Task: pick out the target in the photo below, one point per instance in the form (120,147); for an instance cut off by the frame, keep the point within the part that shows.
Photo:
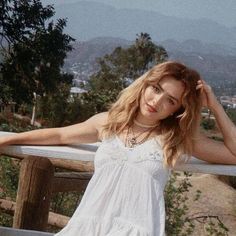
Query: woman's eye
(156,89)
(171,102)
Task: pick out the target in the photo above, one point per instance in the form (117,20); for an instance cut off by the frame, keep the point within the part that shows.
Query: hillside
(216,63)
(87,20)
(217,199)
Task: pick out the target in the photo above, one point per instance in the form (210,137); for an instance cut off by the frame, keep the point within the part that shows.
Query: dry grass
(217,199)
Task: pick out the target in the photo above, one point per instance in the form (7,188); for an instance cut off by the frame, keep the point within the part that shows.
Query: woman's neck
(144,125)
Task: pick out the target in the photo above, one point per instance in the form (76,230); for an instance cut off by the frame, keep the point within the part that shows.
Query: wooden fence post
(33,195)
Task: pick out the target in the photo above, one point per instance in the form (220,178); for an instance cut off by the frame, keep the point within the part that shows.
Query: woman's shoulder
(98,119)
(102,117)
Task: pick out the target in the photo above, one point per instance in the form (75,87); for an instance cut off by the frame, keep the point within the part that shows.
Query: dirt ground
(217,199)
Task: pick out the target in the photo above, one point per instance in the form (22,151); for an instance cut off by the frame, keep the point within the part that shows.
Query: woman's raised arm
(84,132)
(211,150)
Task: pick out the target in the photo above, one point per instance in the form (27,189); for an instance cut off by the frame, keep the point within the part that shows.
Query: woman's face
(160,100)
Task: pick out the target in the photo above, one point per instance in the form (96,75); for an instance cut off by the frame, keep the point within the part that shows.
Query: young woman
(154,124)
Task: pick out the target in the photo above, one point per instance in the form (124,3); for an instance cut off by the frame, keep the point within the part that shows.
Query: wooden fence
(38,181)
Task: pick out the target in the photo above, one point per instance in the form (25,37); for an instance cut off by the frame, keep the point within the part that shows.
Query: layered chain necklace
(132,140)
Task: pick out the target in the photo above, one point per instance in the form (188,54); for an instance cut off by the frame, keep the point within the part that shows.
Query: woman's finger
(204,85)
(199,86)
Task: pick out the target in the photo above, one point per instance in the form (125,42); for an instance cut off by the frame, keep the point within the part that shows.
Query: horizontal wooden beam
(54,219)
(86,166)
(57,220)
(78,158)
(74,153)
(74,175)
(70,181)
(197,166)
(7,206)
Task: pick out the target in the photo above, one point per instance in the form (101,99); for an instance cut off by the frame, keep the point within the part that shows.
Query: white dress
(125,196)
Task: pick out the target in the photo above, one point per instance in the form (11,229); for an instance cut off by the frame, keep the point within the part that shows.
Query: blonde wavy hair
(177,131)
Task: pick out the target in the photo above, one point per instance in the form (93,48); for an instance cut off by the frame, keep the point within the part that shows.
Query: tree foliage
(33,49)
(208,124)
(117,70)
(120,68)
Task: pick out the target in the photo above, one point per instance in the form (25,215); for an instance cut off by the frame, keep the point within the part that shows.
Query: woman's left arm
(226,126)
(210,150)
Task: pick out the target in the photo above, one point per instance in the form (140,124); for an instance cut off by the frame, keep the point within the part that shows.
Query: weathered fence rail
(37,180)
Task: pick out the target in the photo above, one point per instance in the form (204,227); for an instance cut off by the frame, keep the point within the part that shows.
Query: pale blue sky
(221,11)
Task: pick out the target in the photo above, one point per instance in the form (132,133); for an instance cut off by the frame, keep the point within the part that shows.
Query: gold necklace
(132,141)
(143,125)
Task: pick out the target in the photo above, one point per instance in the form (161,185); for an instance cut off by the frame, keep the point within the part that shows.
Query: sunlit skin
(160,100)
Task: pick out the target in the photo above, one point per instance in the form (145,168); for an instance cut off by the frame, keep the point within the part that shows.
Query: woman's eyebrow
(176,99)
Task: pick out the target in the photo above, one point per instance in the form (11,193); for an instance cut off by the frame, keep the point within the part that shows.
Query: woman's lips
(151,108)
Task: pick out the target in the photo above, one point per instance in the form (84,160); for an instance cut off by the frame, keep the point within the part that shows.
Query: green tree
(120,68)
(33,49)
(208,124)
(132,62)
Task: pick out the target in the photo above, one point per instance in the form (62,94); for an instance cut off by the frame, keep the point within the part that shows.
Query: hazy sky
(221,11)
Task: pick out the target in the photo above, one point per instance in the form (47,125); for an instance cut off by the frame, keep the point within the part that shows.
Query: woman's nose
(158,99)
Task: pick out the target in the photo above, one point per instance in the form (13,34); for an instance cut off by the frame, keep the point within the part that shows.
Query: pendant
(133,141)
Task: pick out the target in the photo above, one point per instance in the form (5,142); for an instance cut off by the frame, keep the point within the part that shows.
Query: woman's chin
(148,117)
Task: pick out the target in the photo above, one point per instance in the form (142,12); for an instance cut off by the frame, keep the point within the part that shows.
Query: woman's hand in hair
(208,97)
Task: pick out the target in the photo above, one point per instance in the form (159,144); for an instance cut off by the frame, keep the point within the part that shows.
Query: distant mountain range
(202,44)
(214,62)
(87,20)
